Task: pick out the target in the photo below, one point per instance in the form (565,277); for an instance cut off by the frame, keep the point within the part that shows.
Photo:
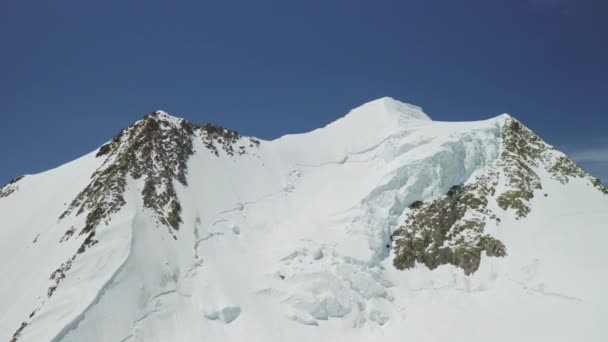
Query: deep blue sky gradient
(73,73)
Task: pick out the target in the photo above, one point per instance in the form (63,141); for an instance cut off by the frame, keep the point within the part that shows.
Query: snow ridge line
(346,158)
(76,321)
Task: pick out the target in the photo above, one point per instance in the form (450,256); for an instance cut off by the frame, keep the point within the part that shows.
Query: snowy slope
(177,232)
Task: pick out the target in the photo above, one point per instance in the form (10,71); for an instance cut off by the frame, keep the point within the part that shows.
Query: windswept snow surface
(292,243)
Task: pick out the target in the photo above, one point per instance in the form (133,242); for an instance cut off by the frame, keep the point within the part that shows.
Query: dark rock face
(226,138)
(438,233)
(450,229)
(156,149)
(17,333)
(416,205)
(522,151)
(152,148)
(11,187)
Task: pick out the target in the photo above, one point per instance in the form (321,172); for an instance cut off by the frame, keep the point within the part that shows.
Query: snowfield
(291,241)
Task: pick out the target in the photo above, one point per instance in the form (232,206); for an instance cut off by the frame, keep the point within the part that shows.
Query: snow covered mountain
(382,226)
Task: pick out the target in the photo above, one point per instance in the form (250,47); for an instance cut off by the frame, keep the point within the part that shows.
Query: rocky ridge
(156,149)
(10,188)
(450,229)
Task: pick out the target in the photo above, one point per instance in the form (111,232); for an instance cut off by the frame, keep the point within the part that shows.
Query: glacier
(292,239)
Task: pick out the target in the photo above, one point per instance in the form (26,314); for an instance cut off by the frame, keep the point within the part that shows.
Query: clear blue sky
(73,73)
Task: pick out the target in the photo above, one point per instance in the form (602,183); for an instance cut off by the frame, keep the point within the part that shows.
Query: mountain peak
(393,107)
(371,122)
(161,116)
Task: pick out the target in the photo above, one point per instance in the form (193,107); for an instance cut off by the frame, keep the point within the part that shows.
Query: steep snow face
(362,128)
(199,233)
(384,114)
